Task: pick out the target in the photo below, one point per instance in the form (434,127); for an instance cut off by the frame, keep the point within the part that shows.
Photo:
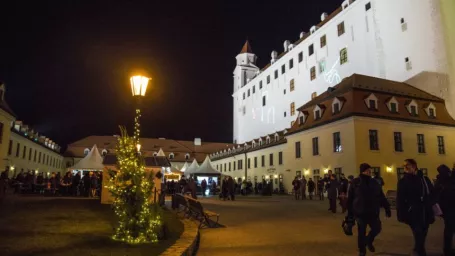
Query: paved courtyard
(282,226)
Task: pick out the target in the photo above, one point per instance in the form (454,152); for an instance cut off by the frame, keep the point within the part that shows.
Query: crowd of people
(88,185)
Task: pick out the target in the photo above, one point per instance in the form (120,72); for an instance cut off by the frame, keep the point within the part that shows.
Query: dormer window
(171,156)
(301,120)
(392,105)
(104,152)
(267,141)
(86,151)
(412,108)
(260,142)
(372,102)
(336,108)
(155,154)
(276,137)
(337,103)
(431,112)
(430,109)
(187,156)
(317,114)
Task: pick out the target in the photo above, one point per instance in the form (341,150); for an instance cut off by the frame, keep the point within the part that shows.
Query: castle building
(401,40)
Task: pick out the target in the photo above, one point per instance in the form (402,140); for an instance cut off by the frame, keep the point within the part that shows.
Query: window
(280,158)
(400,173)
(408,63)
(341,28)
(225,169)
(376,171)
(284,113)
(283,69)
(300,57)
(24,153)
(336,142)
(336,108)
(441,147)
(284,91)
(431,112)
(271,159)
(254,89)
(18,148)
(29,154)
(229,166)
(249,163)
(291,85)
(374,144)
(10,147)
(255,162)
(240,164)
(368,6)
(315,146)
(276,74)
(34,157)
(402,21)
(398,142)
(420,143)
(39,158)
(310,50)
(187,156)
(298,153)
(301,120)
(404,25)
(1,131)
(263,160)
(248,92)
(292,109)
(244,110)
(343,56)
(413,110)
(317,115)
(313,73)
(393,107)
(260,85)
(263,100)
(235,164)
(323,41)
(291,63)
(321,65)
(244,96)
(372,104)
(268,79)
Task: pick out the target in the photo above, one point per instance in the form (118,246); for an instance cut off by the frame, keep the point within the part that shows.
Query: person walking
(203,186)
(365,199)
(332,193)
(303,184)
(296,187)
(75,184)
(311,187)
(321,189)
(414,204)
(343,191)
(444,190)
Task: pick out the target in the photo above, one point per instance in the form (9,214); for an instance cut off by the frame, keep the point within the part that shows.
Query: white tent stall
(93,161)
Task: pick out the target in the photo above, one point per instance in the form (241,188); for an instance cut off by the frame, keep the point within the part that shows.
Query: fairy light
(132,188)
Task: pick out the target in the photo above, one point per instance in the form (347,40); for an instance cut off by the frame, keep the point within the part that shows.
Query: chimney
(302,34)
(324,16)
(274,56)
(197,142)
(314,95)
(286,45)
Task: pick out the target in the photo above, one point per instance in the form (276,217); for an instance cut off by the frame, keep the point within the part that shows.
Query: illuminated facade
(400,40)
(362,119)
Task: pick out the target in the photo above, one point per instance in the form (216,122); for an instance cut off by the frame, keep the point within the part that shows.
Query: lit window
(337,142)
(343,56)
(341,29)
(292,109)
(321,66)
(323,41)
(291,85)
(313,73)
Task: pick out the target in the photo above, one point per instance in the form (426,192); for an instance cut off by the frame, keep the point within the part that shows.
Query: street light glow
(139,85)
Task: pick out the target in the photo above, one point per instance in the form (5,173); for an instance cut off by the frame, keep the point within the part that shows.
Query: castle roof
(246,48)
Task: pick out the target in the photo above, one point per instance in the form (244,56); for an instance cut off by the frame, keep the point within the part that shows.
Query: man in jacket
(414,204)
(303,184)
(365,199)
(311,187)
(296,186)
(332,193)
(343,191)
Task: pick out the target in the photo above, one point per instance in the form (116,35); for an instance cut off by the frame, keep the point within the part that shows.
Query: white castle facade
(403,40)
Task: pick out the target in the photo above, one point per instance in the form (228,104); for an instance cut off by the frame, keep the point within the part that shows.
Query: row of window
(239,163)
(38,157)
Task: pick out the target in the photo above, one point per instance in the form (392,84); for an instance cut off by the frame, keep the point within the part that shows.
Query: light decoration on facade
(332,76)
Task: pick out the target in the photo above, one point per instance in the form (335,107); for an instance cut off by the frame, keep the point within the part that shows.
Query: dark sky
(66,64)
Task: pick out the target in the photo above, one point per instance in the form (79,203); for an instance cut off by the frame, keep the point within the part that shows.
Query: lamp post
(138,87)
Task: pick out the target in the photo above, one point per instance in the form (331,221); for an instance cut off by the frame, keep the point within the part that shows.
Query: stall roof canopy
(192,168)
(150,161)
(206,168)
(92,161)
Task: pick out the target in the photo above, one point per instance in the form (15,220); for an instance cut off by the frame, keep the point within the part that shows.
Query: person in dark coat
(296,187)
(66,184)
(231,188)
(86,182)
(365,199)
(53,181)
(311,187)
(303,187)
(93,184)
(321,189)
(203,186)
(75,184)
(332,193)
(444,190)
(343,193)
(414,204)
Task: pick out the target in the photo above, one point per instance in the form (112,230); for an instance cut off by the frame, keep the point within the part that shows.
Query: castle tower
(244,71)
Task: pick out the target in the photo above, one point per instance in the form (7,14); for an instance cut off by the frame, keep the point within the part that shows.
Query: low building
(7,118)
(362,119)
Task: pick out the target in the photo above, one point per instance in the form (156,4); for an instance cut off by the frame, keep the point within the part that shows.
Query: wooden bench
(391,196)
(197,211)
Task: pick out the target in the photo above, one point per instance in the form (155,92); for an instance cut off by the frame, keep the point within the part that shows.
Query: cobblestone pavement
(283,226)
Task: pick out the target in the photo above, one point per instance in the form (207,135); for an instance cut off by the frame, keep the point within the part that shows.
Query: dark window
(343,56)
(284,113)
(368,6)
(254,89)
(244,96)
(18,149)
(317,114)
(337,142)
(29,154)
(1,131)
(268,79)
(301,120)
(336,108)
(323,41)
(221,167)
(372,104)
(283,69)
(276,74)
(441,147)
(280,158)
(431,112)
(420,143)
(263,100)
(24,152)
(298,153)
(39,158)
(374,144)
(255,162)
(300,57)
(313,73)
(260,85)
(310,50)
(248,92)
(341,28)
(413,110)
(249,163)
(402,20)
(393,107)
(284,91)
(263,161)
(315,146)
(398,142)
(229,166)
(235,164)
(34,156)
(225,169)
(10,147)
(291,63)
(271,159)
(240,164)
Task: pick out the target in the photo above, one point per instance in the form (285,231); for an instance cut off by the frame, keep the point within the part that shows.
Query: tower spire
(246,48)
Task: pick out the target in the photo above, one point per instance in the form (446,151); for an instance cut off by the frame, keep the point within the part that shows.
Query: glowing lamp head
(389,169)
(139,85)
(138,147)
(306,172)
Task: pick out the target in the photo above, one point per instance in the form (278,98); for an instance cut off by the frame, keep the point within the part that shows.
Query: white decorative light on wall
(332,76)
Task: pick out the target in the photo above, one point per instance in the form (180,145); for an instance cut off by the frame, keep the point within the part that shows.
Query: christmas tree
(132,187)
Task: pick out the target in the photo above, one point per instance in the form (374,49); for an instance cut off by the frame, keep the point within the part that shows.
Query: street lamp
(138,87)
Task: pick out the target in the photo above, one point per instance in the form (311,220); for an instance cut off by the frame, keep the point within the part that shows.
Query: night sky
(66,64)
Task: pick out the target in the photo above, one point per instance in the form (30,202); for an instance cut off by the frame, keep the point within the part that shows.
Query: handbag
(436,208)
